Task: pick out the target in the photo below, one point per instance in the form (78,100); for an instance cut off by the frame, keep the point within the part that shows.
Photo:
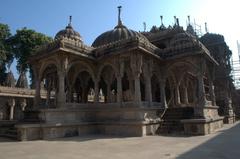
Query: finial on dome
(188,19)
(70,21)
(175,19)
(206,28)
(144,26)
(161,19)
(119,16)
(178,22)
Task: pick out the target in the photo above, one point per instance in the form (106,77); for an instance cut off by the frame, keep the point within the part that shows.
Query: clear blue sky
(93,17)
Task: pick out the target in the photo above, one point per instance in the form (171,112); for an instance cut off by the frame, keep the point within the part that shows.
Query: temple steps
(8,130)
(11,133)
(171,120)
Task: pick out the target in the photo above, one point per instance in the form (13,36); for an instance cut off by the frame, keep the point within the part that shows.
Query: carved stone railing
(20,92)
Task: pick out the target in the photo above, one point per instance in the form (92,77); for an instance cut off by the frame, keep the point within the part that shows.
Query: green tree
(6,56)
(24,44)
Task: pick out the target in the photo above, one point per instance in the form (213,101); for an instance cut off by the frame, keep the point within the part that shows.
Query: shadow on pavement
(88,138)
(5,139)
(226,145)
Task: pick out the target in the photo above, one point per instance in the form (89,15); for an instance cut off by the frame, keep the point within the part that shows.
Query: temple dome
(120,32)
(117,34)
(69,33)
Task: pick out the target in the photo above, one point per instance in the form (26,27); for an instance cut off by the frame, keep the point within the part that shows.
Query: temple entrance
(108,85)
(49,82)
(83,88)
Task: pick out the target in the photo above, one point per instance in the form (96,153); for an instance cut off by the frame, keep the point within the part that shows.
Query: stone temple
(128,83)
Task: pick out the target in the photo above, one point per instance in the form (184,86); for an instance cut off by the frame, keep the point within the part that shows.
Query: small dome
(120,32)
(69,33)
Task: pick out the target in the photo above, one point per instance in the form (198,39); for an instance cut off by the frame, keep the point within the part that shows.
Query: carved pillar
(11,103)
(84,93)
(194,93)
(70,94)
(201,90)
(96,91)
(23,104)
(109,92)
(136,64)
(131,85)
(137,93)
(49,83)
(119,89)
(162,91)
(185,95)
(177,95)
(61,98)
(37,97)
(212,93)
(147,71)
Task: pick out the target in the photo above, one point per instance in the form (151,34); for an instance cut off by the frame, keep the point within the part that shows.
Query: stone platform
(110,119)
(205,121)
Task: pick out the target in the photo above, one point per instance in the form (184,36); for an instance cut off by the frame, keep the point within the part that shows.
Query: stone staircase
(8,130)
(171,120)
(7,127)
(11,133)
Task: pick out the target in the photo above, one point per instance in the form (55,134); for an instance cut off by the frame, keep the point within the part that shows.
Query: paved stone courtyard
(223,144)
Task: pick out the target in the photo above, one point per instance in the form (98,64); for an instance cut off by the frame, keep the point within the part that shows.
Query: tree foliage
(6,56)
(20,46)
(24,43)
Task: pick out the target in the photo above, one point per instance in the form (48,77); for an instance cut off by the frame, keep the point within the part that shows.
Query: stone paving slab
(223,144)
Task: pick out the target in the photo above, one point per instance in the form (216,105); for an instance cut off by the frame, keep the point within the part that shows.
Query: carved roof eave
(188,50)
(74,52)
(207,53)
(67,45)
(127,44)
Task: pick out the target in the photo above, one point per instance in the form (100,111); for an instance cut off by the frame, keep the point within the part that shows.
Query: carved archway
(107,84)
(49,82)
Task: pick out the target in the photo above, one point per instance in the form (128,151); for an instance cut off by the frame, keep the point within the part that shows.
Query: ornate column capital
(11,102)
(136,64)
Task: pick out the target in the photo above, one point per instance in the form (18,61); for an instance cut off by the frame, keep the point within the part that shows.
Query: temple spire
(119,16)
